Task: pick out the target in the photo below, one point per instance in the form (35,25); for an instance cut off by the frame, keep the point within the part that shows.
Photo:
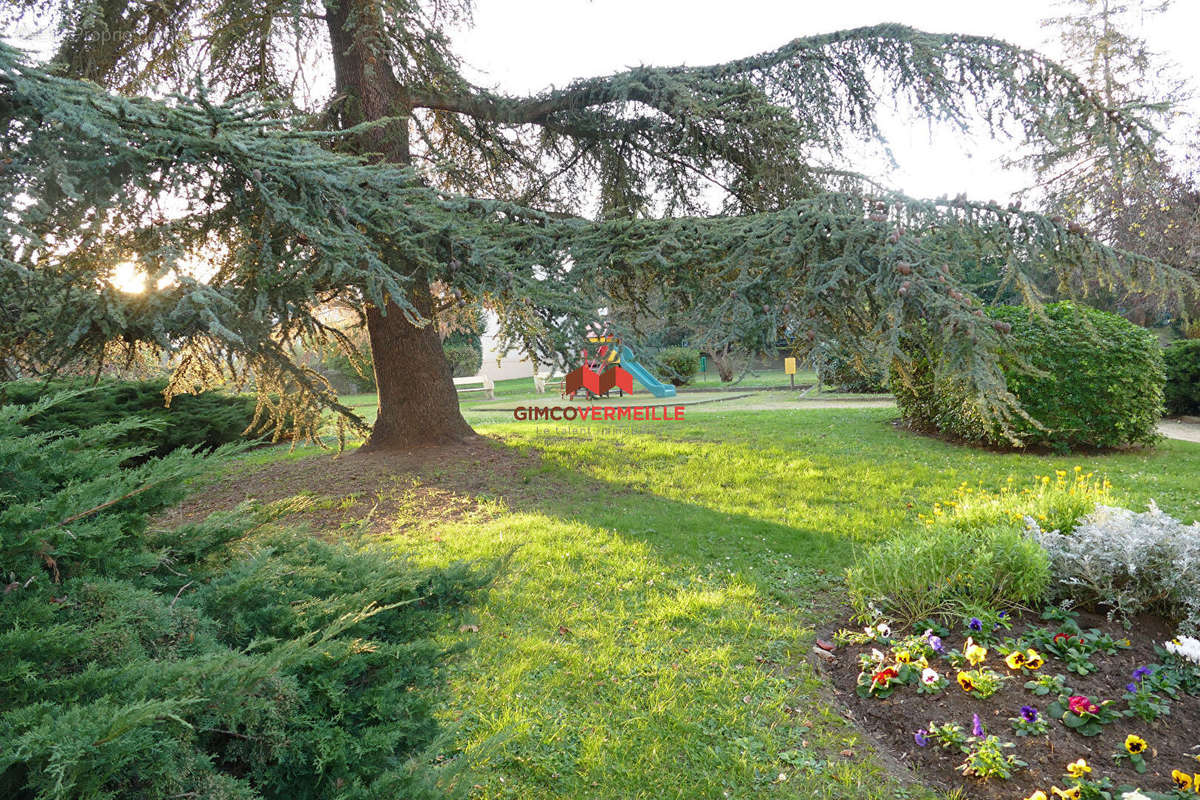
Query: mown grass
(523,388)
(647,636)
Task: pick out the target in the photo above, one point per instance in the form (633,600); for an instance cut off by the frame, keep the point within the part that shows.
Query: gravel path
(1184,431)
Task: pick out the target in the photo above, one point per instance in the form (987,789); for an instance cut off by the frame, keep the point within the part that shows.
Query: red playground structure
(593,377)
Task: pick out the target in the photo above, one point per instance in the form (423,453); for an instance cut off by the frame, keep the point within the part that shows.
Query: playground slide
(643,376)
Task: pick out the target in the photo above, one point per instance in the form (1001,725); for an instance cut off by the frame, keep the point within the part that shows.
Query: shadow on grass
(648,637)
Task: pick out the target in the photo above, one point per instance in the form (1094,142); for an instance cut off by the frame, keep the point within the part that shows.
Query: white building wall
(500,366)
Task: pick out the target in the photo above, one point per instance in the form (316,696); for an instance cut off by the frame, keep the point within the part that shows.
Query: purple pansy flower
(1141,672)
(976,725)
(1131,688)
(935,642)
(1029,713)
(921,737)
(976,624)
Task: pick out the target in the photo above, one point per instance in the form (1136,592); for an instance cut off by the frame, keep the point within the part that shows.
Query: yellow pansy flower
(974,653)
(1015,659)
(1077,769)
(1135,744)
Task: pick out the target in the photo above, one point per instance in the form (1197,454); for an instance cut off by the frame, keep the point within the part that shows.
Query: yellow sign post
(789,367)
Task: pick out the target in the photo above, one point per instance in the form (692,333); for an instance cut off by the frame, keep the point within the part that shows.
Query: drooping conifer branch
(281,222)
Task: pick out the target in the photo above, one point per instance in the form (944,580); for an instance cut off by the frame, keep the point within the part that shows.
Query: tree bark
(418,404)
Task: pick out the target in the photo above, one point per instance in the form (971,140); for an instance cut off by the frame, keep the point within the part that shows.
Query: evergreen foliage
(207,661)
(1182,390)
(1085,378)
(845,373)
(1096,182)
(464,359)
(463,345)
(800,247)
(1141,201)
(206,420)
(679,363)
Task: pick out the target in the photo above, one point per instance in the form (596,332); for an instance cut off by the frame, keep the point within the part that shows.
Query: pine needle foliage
(205,420)
(207,661)
(801,250)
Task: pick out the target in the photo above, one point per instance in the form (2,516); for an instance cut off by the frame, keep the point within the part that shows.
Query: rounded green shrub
(1182,390)
(680,363)
(1087,378)
(837,369)
(464,359)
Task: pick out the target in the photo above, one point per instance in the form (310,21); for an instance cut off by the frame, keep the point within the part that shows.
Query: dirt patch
(892,722)
(377,492)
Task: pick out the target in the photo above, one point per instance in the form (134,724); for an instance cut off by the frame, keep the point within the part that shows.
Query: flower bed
(1040,706)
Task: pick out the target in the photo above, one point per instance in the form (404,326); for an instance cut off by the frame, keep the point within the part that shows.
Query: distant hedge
(465,359)
(680,364)
(1097,383)
(206,420)
(1182,392)
(837,369)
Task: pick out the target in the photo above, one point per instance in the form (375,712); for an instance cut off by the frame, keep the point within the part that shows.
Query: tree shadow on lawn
(648,636)
(629,627)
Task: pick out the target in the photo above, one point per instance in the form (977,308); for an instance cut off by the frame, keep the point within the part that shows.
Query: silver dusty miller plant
(1129,562)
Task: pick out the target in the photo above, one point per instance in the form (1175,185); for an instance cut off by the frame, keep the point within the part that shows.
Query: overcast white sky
(526,45)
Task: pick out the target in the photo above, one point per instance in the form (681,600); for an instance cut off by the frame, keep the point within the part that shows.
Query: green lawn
(648,631)
(521,390)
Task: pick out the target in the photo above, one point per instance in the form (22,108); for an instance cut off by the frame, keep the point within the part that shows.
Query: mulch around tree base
(1174,740)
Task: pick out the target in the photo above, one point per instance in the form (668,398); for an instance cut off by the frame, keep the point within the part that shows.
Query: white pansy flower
(1185,647)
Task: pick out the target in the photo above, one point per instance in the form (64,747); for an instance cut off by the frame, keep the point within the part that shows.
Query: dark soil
(892,721)
(389,490)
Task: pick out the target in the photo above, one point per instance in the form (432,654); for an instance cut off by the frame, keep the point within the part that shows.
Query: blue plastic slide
(643,376)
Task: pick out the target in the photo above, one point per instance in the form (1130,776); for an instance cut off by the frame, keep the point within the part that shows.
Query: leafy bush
(358,371)
(836,368)
(1129,563)
(209,661)
(206,420)
(1097,381)
(1182,390)
(680,364)
(465,360)
(948,572)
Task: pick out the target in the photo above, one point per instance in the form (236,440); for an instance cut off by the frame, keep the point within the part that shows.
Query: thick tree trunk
(418,404)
